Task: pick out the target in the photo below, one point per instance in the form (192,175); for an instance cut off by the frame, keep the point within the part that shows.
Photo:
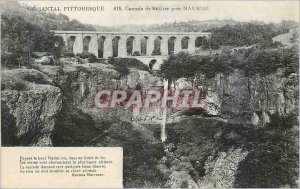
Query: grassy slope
(285,38)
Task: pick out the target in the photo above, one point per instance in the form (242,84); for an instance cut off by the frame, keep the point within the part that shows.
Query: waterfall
(163,136)
(82,89)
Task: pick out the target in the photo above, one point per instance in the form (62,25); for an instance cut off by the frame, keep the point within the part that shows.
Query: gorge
(187,148)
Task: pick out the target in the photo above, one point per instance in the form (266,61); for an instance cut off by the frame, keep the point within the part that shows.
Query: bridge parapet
(106,44)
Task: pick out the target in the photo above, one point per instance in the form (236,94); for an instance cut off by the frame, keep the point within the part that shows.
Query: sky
(267,11)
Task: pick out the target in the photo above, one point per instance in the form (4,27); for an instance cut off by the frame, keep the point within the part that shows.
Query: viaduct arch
(125,44)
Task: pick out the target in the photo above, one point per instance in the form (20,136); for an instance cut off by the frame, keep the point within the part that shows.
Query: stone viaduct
(125,44)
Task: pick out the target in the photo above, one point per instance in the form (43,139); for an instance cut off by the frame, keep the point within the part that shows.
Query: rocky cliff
(239,104)
(29,105)
(55,107)
(249,98)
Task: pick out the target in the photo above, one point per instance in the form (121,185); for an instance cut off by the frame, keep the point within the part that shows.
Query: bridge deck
(130,33)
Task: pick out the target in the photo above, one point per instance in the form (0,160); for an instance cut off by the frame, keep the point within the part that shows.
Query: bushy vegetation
(156,52)
(69,127)
(24,32)
(136,53)
(68,54)
(140,156)
(35,77)
(251,61)
(86,55)
(18,85)
(46,20)
(11,81)
(265,62)
(83,55)
(20,39)
(122,65)
(243,34)
(92,58)
(273,161)
(122,70)
(20,79)
(295,37)
(196,25)
(183,65)
(8,127)
(119,66)
(194,142)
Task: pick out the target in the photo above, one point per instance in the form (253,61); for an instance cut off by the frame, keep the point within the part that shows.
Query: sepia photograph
(150,94)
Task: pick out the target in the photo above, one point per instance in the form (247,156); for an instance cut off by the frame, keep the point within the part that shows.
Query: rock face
(256,97)
(80,85)
(239,100)
(220,171)
(32,115)
(181,179)
(275,93)
(31,99)
(30,111)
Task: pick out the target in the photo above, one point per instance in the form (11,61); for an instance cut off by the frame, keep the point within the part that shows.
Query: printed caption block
(66,167)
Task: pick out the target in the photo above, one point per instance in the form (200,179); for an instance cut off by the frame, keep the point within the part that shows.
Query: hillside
(48,21)
(194,26)
(286,38)
(188,26)
(53,21)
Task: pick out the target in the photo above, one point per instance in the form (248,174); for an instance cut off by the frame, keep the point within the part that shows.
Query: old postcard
(149,94)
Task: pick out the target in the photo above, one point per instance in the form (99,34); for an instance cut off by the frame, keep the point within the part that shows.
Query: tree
(122,70)
(120,67)
(273,162)
(136,53)
(243,34)
(92,58)
(21,38)
(140,156)
(185,65)
(156,52)
(57,44)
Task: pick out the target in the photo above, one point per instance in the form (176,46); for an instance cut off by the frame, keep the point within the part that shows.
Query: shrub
(57,46)
(185,65)
(134,63)
(69,130)
(35,78)
(295,37)
(156,52)
(86,55)
(140,156)
(128,62)
(68,54)
(24,41)
(83,55)
(11,62)
(84,69)
(184,184)
(92,58)
(40,54)
(270,44)
(243,34)
(122,70)
(18,85)
(136,53)
(250,61)
(8,126)
(273,162)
